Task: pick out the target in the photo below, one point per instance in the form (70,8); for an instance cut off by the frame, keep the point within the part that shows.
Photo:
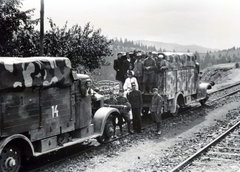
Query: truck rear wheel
(10,159)
(107,133)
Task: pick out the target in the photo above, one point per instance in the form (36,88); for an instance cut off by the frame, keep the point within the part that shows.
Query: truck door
(83,106)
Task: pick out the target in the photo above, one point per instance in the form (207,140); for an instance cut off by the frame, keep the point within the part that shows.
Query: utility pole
(41,27)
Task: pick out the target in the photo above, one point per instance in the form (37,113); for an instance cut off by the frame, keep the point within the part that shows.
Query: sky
(207,23)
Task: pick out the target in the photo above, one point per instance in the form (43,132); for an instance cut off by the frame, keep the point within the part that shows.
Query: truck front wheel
(108,131)
(10,159)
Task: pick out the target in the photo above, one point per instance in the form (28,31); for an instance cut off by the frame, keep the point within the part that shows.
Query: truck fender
(203,88)
(174,102)
(26,147)
(100,118)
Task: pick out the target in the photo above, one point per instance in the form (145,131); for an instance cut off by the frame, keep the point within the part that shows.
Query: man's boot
(158,128)
(121,130)
(150,88)
(144,88)
(129,128)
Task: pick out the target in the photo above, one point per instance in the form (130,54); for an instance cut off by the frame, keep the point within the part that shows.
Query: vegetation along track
(63,155)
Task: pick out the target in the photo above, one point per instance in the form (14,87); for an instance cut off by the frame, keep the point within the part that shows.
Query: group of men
(139,73)
(144,69)
(133,102)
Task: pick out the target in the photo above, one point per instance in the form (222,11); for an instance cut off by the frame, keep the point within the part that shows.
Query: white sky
(208,23)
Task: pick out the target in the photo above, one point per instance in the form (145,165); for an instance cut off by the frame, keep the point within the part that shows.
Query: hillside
(221,74)
(228,55)
(176,47)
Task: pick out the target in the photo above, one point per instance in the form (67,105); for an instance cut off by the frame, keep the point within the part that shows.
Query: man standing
(162,65)
(117,65)
(149,66)
(126,65)
(156,108)
(138,70)
(125,111)
(135,99)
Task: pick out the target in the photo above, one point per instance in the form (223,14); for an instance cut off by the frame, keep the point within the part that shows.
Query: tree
(17,34)
(84,46)
(197,55)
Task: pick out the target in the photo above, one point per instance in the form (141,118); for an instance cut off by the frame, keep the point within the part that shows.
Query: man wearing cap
(156,109)
(149,66)
(127,84)
(162,65)
(86,89)
(135,99)
(138,70)
(125,111)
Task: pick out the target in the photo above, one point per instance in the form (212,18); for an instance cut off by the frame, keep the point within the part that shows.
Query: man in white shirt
(128,83)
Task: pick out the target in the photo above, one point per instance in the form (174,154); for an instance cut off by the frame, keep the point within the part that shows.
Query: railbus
(181,84)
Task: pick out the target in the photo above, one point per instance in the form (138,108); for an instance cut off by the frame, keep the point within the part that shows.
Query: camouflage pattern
(191,84)
(179,60)
(21,73)
(181,80)
(30,110)
(180,76)
(170,84)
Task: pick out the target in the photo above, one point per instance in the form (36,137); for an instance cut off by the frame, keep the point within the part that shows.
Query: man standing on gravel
(135,99)
(156,109)
(125,111)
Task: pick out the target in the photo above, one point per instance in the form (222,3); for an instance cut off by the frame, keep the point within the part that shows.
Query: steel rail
(229,94)
(225,87)
(199,152)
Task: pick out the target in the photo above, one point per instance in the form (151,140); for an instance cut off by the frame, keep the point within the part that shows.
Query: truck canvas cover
(20,73)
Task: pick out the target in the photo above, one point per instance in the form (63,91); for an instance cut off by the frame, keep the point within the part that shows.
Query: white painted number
(54,111)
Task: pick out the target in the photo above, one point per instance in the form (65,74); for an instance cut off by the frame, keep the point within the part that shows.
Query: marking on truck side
(55,111)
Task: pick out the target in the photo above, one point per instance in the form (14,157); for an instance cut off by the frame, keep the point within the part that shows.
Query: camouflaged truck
(181,83)
(45,107)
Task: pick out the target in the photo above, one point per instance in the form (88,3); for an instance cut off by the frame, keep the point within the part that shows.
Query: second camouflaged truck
(180,83)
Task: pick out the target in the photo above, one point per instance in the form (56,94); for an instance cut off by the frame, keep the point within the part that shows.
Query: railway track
(224,91)
(63,156)
(216,155)
(223,149)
